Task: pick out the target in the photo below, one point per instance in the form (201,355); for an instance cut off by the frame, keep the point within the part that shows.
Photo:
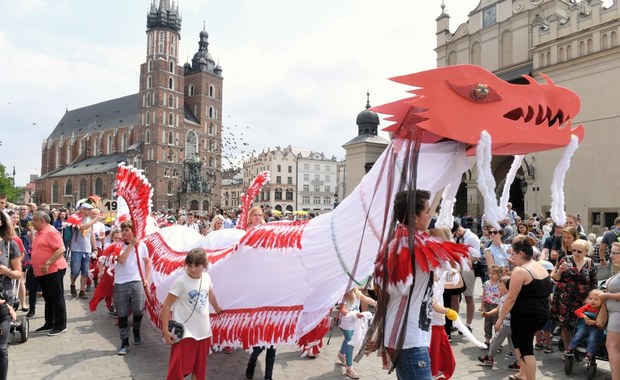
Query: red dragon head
(459,102)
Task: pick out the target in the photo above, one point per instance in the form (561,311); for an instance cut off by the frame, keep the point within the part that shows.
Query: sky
(295,73)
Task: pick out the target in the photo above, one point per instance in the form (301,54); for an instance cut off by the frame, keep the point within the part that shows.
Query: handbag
(177,328)
(601,317)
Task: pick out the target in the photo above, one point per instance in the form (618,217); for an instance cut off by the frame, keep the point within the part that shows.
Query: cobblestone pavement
(88,351)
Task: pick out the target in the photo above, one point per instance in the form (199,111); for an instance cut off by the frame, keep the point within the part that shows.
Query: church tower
(161,103)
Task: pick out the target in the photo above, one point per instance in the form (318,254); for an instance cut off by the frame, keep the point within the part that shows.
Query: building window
(161,43)
(98,186)
(150,65)
(317,167)
(290,169)
(317,177)
(191,90)
(327,189)
(306,177)
(306,187)
(327,178)
(306,166)
(83,188)
(170,102)
(317,189)
(147,137)
(149,82)
(289,180)
(278,195)
(327,200)
(211,91)
(109,147)
(289,195)
(170,187)
(279,168)
(170,138)
(171,119)
(171,65)
(55,191)
(278,179)
(316,200)
(489,16)
(210,113)
(68,187)
(305,199)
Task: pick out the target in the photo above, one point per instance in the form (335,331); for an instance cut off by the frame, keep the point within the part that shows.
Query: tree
(8,187)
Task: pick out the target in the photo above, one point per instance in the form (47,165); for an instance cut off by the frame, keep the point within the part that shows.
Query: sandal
(513,377)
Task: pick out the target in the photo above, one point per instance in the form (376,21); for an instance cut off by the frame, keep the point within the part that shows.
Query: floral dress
(571,292)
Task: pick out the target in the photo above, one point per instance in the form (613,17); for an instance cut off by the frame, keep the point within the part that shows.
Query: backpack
(67,233)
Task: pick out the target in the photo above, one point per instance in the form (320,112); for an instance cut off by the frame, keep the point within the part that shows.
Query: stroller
(21,325)
(580,351)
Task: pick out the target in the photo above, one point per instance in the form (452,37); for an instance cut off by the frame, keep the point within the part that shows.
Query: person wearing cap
(470,239)
(82,246)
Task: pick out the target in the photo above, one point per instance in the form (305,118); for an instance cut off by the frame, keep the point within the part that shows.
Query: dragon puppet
(278,282)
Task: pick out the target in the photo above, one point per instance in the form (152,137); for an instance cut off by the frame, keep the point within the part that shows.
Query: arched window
(123,142)
(210,128)
(170,138)
(148,99)
(95,146)
(582,48)
(170,155)
(109,145)
(57,157)
(476,53)
(191,90)
(171,64)
(170,101)
(211,91)
(170,187)
(170,83)
(210,113)
(149,82)
(153,99)
(150,65)
(82,145)
(68,187)
(569,52)
(148,118)
(451,58)
(561,54)
(147,137)
(99,186)
(55,191)
(83,188)
(614,39)
(205,205)
(191,144)
(69,146)
(171,119)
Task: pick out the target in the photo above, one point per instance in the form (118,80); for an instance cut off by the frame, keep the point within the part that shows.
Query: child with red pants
(189,297)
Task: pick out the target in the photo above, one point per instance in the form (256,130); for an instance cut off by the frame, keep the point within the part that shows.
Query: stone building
(317,178)
(575,43)
(171,129)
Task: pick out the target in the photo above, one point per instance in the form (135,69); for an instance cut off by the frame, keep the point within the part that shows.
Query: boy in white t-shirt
(190,296)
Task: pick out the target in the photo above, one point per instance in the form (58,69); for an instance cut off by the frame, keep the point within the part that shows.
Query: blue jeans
(346,349)
(594,335)
(414,364)
(80,261)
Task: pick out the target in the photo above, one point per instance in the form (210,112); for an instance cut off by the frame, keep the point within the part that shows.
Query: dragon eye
(478,93)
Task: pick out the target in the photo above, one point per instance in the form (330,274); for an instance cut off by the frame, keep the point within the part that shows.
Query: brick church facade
(171,129)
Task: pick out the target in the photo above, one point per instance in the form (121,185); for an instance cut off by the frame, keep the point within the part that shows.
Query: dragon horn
(530,79)
(547,79)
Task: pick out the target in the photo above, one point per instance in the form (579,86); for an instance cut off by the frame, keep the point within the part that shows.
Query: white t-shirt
(198,325)
(347,322)
(418,329)
(99,232)
(470,239)
(128,271)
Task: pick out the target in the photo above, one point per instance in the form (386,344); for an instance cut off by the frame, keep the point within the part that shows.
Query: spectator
(612,302)
(468,238)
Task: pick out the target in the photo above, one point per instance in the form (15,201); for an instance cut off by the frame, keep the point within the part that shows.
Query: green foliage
(7,187)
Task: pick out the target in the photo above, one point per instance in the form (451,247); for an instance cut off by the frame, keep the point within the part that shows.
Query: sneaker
(83,295)
(122,350)
(548,350)
(468,328)
(486,361)
(449,338)
(586,360)
(352,373)
(514,367)
(509,355)
(43,329)
(342,359)
(136,338)
(73,291)
(486,346)
(87,288)
(55,332)
(30,313)
(538,346)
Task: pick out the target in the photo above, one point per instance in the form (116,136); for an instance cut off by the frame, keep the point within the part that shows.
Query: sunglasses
(577,250)
(495,232)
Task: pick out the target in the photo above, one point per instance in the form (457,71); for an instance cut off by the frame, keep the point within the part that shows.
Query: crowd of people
(537,277)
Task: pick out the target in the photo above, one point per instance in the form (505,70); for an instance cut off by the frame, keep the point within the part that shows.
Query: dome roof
(204,33)
(367,121)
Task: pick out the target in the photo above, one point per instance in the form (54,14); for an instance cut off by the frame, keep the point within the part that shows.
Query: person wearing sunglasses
(575,275)
(497,253)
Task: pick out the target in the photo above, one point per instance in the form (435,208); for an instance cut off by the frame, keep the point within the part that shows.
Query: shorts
(469,279)
(80,261)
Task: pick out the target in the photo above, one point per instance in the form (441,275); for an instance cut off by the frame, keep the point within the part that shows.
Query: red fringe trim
(136,190)
(246,198)
(279,234)
(429,253)
(255,326)
(312,341)
(74,220)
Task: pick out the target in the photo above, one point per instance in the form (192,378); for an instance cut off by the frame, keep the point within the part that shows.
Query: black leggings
(523,327)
